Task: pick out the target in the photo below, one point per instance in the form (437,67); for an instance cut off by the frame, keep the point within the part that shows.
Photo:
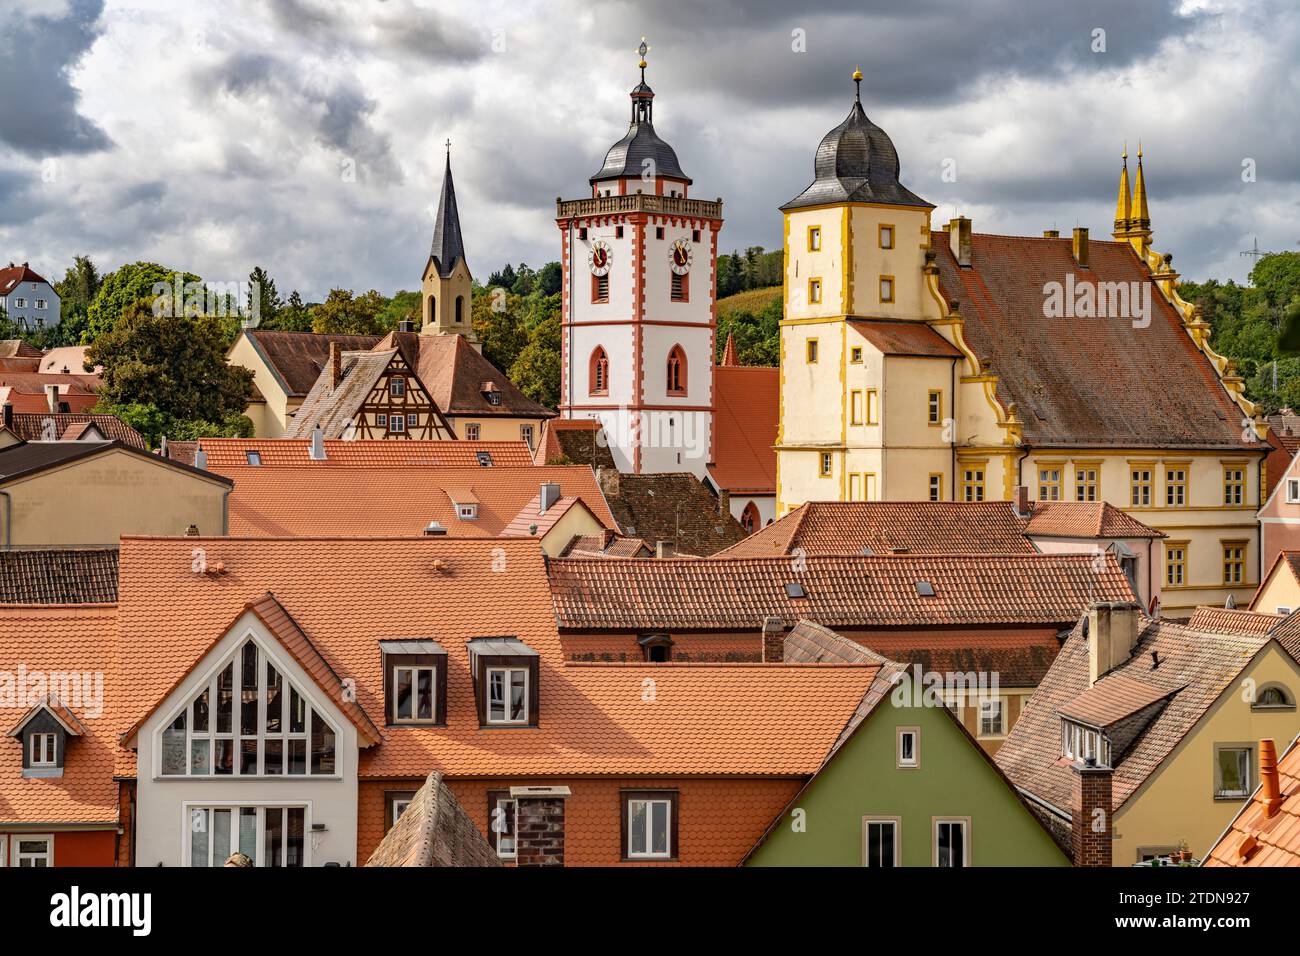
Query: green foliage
(758,337)
(536,372)
(263,301)
(175,363)
(155,424)
(148,420)
(755,269)
(294,316)
(123,288)
(78,289)
(234,426)
(344,313)
(402,306)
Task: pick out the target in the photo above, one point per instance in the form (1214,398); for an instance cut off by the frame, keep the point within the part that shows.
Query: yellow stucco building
(942,364)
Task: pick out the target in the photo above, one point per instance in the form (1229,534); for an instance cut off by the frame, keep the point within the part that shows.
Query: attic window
(794,589)
(484,458)
(43,750)
(493,397)
(505,681)
(415,682)
(254,457)
(467,512)
(924,589)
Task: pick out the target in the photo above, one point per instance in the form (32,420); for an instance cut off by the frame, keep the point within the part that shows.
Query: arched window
(460,308)
(598,373)
(433,308)
(676,371)
(1273,697)
(749,518)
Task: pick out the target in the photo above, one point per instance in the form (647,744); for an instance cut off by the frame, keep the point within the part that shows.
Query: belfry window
(599,373)
(676,371)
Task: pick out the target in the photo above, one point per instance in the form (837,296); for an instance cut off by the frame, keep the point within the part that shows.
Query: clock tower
(639,259)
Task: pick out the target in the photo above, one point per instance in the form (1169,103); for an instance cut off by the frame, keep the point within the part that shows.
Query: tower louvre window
(600,288)
(680,288)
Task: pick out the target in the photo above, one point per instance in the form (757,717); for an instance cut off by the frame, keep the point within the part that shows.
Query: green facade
(954,779)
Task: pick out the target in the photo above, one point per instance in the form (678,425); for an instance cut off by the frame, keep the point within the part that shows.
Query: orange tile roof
(1232,620)
(396,500)
(1256,839)
(72,640)
(1289,562)
(529,523)
(779,720)
(1113,698)
(289,452)
(1085,519)
(842,590)
(747,401)
(904,338)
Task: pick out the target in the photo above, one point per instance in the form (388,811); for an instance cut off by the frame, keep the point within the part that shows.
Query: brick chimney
(1112,634)
(1270,786)
(959,238)
(1090,814)
(607,478)
(724,503)
(1021,502)
(1079,246)
(664,549)
(539,825)
(336,365)
(773,640)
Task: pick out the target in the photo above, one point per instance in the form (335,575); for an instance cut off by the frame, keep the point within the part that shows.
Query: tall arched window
(433,308)
(749,518)
(460,308)
(598,373)
(676,371)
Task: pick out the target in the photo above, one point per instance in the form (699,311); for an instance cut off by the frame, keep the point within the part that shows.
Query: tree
(550,279)
(78,289)
(263,302)
(123,288)
(1277,277)
(505,278)
(402,307)
(294,317)
(536,372)
(497,320)
(177,364)
(342,313)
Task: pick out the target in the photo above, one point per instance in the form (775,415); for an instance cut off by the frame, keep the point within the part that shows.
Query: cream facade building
(941,364)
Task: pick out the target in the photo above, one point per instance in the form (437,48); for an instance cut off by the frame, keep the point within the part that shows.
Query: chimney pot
(336,365)
(201,460)
(773,640)
(663,549)
(1270,787)
(1051,234)
(959,232)
(406,325)
(1080,246)
(539,825)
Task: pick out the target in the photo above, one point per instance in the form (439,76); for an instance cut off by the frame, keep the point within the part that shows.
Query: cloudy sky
(307,135)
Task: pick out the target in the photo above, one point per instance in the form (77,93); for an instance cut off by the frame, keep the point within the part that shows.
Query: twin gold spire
(1132,218)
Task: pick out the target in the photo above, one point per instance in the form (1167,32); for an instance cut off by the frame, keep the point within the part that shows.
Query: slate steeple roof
(448,246)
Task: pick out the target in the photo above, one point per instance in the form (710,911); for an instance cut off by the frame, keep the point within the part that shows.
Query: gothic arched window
(749,518)
(598,372)
(676,371)
(460,308)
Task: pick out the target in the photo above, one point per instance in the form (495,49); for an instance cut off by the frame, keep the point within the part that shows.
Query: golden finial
(642,50)
(1139,149)
(857,74)
(1125,153)
(857,84)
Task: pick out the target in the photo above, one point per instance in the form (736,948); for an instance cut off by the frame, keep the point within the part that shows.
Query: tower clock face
(599,258)
(681,256)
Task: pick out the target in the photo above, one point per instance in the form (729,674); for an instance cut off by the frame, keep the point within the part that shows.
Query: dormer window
(467,512)
(484,459)
(1082,743)
(415,682)
(505,681)
(44,733)
(493,397)
(42,750)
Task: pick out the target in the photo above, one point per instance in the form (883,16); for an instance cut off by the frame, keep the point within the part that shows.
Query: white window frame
(1283,609)
(913,762)
(513,852)
(397,423)
(472,431)
(20,303)
(52,760)
(896,823)
(1293,491)
(487,692)
(467,512)
(311,704)
(41,304)
(1248,784)
(412,420)
(381,419)
(399,807)
(433,700)
(987,703)
(259,838)
(16,840)
(526,434)
(964,823)
(647,853)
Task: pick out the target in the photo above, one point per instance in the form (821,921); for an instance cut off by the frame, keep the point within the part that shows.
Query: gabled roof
(18,348)
(1113,698)
(297,358)
(29,458)
(934,527)
(58,576)
(779,720)
(841,591)
(32,426)
(64,640)
(1051,367)
(457,375)
(13,275)
(434,830)
(747,400)
(1286,563)
(1194,669)
(610,544)
(51,704)
(1266,841)
(576,440)
(333,407)
(68,359)
(675,507)
(290,636)
(1232,620)
(531,523)
(397,500)
(226,453)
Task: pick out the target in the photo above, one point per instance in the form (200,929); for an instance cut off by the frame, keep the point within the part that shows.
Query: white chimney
(317,452)
(550,495)
(201,459)
(52,397)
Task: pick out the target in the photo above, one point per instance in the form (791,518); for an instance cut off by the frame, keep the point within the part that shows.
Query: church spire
(729,356)
(1123,201)
(1139,217)
(448,246)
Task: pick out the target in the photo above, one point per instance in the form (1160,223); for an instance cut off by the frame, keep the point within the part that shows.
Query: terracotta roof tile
(747,400)
(579,441)
(13,275)
(58,576)
(842,590)
(530,523)
(31,426)
(1113,698)
(1049,367)
(674,507)
(1085,519)
(368,452)
(1266,840)
(1232,620)
(296,358)
(904,338)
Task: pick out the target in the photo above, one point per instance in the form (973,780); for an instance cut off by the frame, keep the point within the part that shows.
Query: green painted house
(905,785)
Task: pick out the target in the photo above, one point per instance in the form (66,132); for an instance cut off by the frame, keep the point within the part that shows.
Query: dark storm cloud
(38,111)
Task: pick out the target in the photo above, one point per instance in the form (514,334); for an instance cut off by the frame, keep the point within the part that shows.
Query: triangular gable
(292,639)
(56,709)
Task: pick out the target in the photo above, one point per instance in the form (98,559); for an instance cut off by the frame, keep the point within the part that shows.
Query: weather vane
(642,50)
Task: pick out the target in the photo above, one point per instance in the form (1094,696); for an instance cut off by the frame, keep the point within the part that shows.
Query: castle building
(639,261)
(945,365)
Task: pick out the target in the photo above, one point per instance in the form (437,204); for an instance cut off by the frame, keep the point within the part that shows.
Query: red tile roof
(58,576)
(1113,698)
(66,640)
(1020,656)
(13,275)
(747,401)
(779,720)
(296,358)
(531,523)
(842,590)
(578,441)
(395,500)
(295,452)
(1256,839)
(1232,620)
(1051,367)
(33,427)
(904,338)
(1085,519)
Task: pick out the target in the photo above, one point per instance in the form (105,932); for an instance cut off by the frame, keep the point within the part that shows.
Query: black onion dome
(627,157)
(856,162)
